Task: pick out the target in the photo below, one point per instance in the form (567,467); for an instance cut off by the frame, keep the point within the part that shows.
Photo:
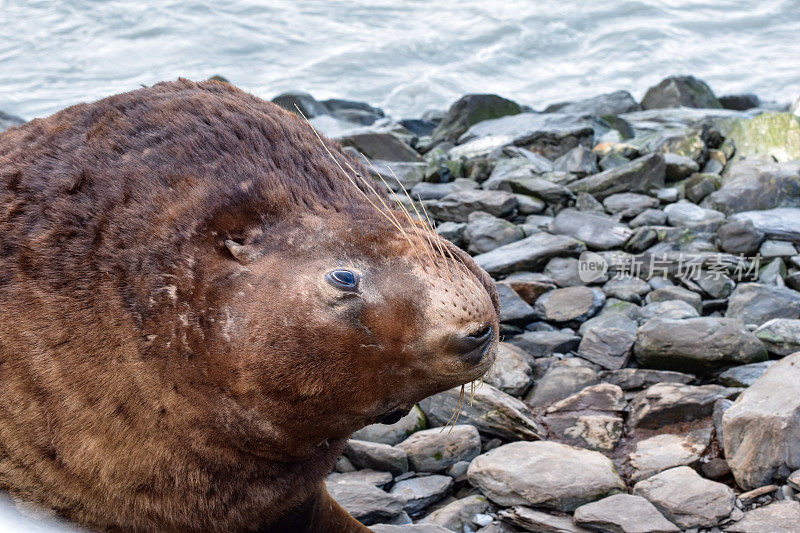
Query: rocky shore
(646,255)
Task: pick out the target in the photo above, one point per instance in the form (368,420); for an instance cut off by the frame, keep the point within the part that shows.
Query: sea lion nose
(473,347)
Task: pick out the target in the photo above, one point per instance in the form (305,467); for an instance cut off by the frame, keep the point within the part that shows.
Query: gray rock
(367,503)
(610,348)
(777,517)
(589,204)
(781,222)
(536,187)
(774,135)
(529,253)
(649,217)
(564,272)
(457,205)
(452,231)
(384,146)
(700,185)
(485,232)
(762,429)
(679,167)
(755,303)
(680,91)
(598,232)
(420,492)
(376,456)
(458,515)
(757,184)
(544,474)
(545,343)
(469,110)
(307,104)
(739,237)
(666,294)
(781,336)
(356,112)
(372,477)
(8,121)
(409,528)
(640,378)
(579,161)
(772,248)
(794,480)
(673,309)
(629,204)
(698,345)
(492,411)
(666,451)
(745,375)
(623,513)
(686,499)
(688,215)
(605,104)
(626,288)
(739,102)
(511,372)
(667,403)
(533,520)
(391,434)
(551,135)
(435,450)
(610,319)
(641,175)
(435,191)
(569,303)
(560,381)
(593,431)
(529,205)
(600,397)
(513,309)
(530,285)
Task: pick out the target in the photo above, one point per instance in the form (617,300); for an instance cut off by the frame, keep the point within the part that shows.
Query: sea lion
(200,301)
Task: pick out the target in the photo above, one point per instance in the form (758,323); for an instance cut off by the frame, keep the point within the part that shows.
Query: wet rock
(511,372)
(680,91)
(391,434)
(739,102)
(544,474)
(623,513)
(688,215)
(458,515)
(579,161)
(756,303)
(365,502)
(641,175)
(756,184)
(470,110)
(485,232)
(376,456)
(533,520)
(781,336)
(529,253)
(686,499)
(545,343)
(777,517)
(739,237)
(610,348)
(628,204)
(458,205)
(640,378)
(434,450)
(667,403)
(307,104)
(614,103)
(550,135)
(569,303)
(384,146)
(513,309)
(420,492)
(598,232)
(666,451)
(762,429)
(698,345)
(356,112)
(745,375)
(560,381)
(679,167)
(776,135)
(492,411)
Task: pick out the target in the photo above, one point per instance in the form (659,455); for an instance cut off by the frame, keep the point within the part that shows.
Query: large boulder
(756,184)
(680,91)
(668,403)
(471,109)
(544,474)
(762,428)
(776,135)
(782,222)
(697,345)
(530,253)
(614,103)
(756,303)
(641,175)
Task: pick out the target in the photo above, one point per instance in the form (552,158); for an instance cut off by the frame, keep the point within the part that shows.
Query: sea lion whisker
(420,220)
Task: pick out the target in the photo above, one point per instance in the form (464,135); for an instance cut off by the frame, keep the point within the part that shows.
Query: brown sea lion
(199,301)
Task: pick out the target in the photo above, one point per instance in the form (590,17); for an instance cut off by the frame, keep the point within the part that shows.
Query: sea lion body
(175,354)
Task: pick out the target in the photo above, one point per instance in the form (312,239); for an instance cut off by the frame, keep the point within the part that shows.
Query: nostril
(473,346)
(481,333)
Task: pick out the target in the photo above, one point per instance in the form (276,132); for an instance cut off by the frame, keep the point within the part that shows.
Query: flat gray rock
(511,372)
(544,474)
(756,303)
(530,253)
(598,232)
(420,492)
(570,304)
(640,378)
(376,456)
(435,450)
(623,513)
(545,343)
(593,431)
(458,205)
(667,403)
(782,222)
(666,451)
(781,336)
(391,434)
(628,204)
(513,309)
(762,428)
(641,175)
(744,375)
(367,503)
(686,499)
(610,348)
(485,232)
(457,515)
(777,517)
(688,215)
(532,520)
(600,397)
(562,379)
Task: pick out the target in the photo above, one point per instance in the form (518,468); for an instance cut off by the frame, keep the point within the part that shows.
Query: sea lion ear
(241,252)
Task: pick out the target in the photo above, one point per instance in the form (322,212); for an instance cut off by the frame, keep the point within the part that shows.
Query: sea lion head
(350,318)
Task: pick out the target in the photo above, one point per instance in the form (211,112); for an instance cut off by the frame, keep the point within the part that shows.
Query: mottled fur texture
(149,380)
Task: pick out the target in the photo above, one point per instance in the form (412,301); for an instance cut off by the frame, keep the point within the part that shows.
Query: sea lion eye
(347,280)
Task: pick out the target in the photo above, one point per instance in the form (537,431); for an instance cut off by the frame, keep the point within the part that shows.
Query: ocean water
(404,56)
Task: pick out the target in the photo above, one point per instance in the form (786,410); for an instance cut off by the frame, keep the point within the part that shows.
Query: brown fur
(151,382)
